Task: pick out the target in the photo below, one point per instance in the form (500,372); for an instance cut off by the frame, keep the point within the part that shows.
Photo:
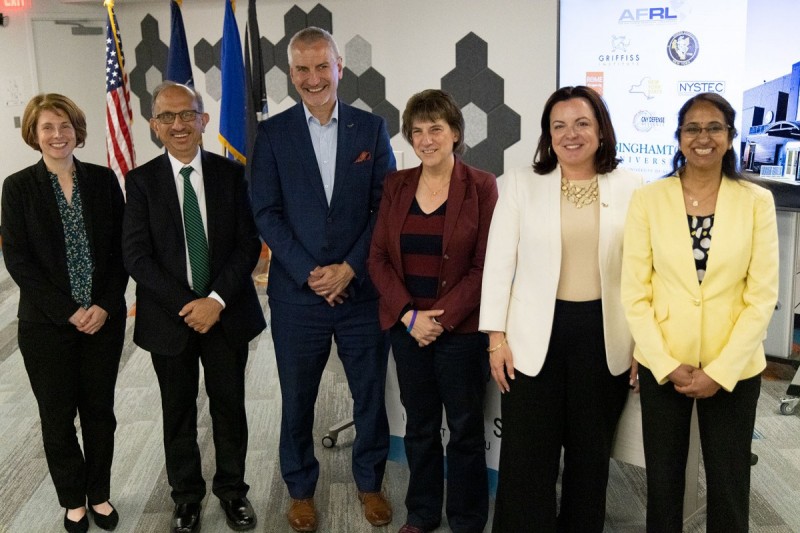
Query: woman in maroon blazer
(426,261)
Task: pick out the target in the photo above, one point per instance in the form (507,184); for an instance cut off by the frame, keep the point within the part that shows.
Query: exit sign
(15,4)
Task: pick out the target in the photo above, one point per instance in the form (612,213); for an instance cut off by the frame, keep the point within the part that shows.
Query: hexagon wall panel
(151,67)
(362,84)
(491,126)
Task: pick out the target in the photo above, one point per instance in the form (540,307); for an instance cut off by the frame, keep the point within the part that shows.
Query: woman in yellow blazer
(699,285)
(560,349)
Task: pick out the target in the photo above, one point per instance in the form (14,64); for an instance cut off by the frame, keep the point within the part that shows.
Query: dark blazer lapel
(346,137)
(455,198)
(211,185)
(301,141)
(55,227)
(165,181)
(87,186)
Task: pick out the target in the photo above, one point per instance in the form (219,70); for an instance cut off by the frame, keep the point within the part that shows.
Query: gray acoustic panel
(490,125)
(203,55)
(372,87)
(151,65)
(361,82)
(358,54)
(348,86)
(477,130)
(277,88)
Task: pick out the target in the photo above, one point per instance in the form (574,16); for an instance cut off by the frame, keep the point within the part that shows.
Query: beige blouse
(580,267)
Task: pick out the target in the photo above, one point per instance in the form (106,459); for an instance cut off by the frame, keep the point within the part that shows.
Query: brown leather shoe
(377,509)
(302,516)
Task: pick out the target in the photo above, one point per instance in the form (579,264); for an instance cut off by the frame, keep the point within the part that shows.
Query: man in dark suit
(190,244)
(317,174)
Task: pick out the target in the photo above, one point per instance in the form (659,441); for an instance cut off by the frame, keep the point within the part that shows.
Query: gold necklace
(580,196)
(440,189)
(694,201)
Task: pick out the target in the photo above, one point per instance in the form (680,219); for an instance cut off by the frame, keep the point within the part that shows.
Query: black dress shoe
(186,518)
(107,522)
(239,514)
(81,526)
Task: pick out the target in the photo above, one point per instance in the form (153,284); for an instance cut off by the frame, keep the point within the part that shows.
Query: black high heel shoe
(107,522)
(81,526)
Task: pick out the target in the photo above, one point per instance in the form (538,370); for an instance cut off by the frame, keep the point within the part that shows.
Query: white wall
(18,79)
(413,45)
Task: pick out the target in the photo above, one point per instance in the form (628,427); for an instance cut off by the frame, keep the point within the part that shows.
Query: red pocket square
(363,156)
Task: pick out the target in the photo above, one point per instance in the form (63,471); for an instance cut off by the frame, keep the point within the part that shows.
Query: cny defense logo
(682,48)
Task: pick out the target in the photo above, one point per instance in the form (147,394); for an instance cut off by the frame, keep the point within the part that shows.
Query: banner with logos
(646,59)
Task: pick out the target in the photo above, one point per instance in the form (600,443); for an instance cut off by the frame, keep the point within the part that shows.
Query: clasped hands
(426,328)
(693,382)
(331,282)
(201,314)
(90,320)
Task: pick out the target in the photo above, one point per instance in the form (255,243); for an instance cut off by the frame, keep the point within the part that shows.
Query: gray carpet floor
(141,493)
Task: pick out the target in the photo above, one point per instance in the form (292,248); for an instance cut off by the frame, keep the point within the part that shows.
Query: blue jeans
(451,372)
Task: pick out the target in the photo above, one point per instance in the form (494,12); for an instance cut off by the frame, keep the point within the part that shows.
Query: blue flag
(179,68)
(233,118)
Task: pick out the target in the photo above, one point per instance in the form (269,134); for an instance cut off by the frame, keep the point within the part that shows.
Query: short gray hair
(311,35)
(167,84)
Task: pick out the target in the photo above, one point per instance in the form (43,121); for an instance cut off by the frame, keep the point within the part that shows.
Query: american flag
(119,116)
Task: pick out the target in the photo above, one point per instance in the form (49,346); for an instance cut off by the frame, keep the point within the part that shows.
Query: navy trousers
(451,372)
(302,336)
(71,374)
(726,422)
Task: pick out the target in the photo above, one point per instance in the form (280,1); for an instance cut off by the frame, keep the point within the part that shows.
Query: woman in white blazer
(560,350)
(699,285)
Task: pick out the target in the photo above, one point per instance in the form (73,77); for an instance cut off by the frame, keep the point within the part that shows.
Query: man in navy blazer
(180,322)
(316,181)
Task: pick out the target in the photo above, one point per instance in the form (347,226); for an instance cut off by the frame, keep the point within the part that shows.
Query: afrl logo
(647,15)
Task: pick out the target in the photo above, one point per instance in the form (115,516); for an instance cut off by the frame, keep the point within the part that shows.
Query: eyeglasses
(715,129)
(168,117)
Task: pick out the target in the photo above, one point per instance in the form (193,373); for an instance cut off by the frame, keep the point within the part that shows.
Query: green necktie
(195,237)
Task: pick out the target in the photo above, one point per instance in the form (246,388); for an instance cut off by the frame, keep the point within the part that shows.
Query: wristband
(413,319)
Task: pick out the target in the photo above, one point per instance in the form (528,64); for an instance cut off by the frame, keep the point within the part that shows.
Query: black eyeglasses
(715,129)
(168,117)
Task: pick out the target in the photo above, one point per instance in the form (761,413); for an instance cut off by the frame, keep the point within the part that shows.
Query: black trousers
(178,377)
(71,374)
(726,422)
(451,373)
(574,403)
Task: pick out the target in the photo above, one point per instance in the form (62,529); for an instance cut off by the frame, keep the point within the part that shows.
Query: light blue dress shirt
(325,138)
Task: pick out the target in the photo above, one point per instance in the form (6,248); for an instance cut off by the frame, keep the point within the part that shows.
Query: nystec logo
(701,86)
(647,15)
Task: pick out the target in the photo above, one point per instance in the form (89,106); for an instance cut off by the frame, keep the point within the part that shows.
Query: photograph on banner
(769,138)
(646,59)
